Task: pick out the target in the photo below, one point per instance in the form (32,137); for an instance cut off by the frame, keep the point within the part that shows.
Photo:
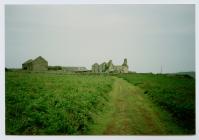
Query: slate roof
(28,61)
(39,58)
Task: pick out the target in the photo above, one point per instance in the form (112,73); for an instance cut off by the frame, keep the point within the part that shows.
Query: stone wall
(95,68)
(39,64)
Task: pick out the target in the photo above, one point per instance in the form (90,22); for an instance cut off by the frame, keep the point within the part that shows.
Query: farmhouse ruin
(110,68)
(38,64)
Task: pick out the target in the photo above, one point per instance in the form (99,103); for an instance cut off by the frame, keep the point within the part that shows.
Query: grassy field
(42,103)
(130,112)
(64,104)
(173,93)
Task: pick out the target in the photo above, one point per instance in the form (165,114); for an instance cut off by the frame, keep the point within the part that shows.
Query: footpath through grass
(172,93)
(58,103)
(130,112)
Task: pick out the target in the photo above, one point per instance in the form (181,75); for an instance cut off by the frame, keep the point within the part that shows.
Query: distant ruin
(110,68)
(40,64)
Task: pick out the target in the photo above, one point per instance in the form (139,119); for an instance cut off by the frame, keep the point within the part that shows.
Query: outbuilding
(38,64)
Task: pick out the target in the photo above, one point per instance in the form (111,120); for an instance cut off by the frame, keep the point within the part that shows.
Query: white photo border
(30,2)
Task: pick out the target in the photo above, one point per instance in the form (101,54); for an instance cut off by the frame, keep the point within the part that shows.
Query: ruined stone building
(110,68)
(38,64)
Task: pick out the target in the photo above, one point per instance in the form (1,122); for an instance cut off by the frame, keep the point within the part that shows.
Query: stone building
(38,64)
(110,68)
(95,68)
(75,69)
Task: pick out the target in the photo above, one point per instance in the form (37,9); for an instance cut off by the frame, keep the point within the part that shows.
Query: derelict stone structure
(110,68)
(95,68)
(38,64)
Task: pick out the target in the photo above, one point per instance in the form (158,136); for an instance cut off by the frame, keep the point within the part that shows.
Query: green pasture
(79,104)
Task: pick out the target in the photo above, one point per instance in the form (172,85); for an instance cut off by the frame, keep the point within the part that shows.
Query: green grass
(130,112)
(175,94)
(43,103)
(62,104)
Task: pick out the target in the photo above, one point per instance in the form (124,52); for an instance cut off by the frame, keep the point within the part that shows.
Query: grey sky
(79,35)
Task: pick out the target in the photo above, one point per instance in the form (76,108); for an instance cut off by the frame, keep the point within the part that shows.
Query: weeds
(53,104)
(175,94)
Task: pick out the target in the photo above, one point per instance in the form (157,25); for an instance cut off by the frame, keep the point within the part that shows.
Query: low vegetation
(54,68)
(130,112)
(59,103)
(173,93)
(44,103)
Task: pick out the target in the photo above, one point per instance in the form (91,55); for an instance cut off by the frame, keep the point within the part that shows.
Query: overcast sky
(79,35)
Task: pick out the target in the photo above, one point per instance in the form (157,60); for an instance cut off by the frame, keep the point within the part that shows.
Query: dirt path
(130,112)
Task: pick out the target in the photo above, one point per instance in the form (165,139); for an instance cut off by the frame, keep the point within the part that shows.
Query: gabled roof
(39,58)
(28,61)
